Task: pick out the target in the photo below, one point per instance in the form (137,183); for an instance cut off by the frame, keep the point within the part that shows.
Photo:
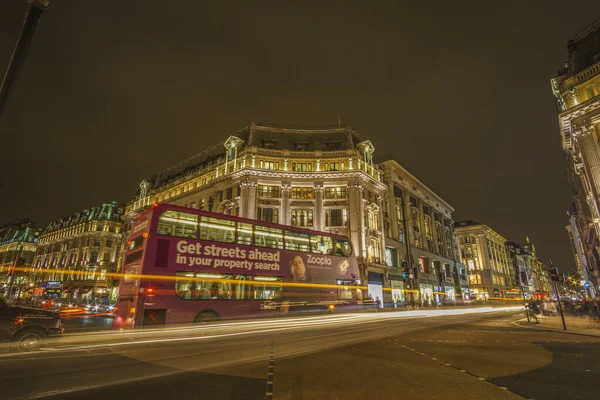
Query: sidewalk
(578,325)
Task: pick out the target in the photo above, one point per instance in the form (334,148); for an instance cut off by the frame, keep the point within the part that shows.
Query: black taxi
(27,326)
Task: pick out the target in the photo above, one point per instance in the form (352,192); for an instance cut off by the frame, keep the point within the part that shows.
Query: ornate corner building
(577,91)
(327,179)
(78,251)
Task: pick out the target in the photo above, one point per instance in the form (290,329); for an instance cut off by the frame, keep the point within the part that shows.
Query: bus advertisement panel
(184,265)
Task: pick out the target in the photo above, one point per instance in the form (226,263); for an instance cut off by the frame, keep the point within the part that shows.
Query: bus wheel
(207,316)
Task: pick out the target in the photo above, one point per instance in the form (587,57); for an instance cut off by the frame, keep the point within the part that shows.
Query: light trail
(110,339)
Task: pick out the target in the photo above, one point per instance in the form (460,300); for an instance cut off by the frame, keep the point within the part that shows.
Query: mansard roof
(277,137)
(19,230)
(109,211)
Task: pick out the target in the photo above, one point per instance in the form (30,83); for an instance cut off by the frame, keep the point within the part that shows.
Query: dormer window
(301,146)
(333,145)
(269,144)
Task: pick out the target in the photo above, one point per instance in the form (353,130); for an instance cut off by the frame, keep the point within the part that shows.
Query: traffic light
(405,270)
(555,276)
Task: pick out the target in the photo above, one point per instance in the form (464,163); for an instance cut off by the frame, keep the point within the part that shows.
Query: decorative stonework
(144,187)
(356,185)
(226,205)
(247,184)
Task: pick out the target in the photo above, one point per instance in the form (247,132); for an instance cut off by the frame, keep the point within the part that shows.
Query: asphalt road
(406,355)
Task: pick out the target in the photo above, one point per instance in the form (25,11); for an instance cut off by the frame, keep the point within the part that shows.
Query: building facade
(541,278)
(419,223)
(583,240)
(520,259)
(484,254)
(577,91)
(78,251)
(322,178)
(18,245)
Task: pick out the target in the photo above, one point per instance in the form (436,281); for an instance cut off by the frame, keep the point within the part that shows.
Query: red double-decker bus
(185,265)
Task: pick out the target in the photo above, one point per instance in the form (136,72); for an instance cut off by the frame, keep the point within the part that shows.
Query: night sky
(458,92)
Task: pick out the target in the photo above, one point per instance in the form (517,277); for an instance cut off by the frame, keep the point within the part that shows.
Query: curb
(515,323)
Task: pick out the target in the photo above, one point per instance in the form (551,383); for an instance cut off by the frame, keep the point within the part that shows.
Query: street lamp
(18,57)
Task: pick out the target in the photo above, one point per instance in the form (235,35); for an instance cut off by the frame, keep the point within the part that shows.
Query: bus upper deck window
(244,233)
(296,241)
(265,236)
(216,229)
(321,244)
(175,223)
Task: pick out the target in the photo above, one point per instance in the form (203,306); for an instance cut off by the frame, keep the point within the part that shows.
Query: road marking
(269,386)
(464,372)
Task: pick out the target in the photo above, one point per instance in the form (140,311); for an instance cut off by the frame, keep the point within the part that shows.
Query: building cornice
(403,174)
(328,175)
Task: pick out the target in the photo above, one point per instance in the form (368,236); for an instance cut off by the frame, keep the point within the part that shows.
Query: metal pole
(409,265)
(560,309)
(14,266)
(18,57)
(524,300)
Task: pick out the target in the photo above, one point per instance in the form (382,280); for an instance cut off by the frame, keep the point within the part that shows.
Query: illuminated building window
(475,279)
(391,256)
(416,222)
(335,192)
(302,193)
(372,218)
(334,166)
(302,217)
(269,164)
(268,214)
(269,191)
(336,217)
(424,265)
(302,167)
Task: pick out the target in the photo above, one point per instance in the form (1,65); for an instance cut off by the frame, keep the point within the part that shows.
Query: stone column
(251,202)
(390,207)
(286,215)
(243,199)
(356,217)
(590,154)
(319,215)
(380,204)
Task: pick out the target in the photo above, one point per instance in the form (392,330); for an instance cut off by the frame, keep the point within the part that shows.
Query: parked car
(28,327)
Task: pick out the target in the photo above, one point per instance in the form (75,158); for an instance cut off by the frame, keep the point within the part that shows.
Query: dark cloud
(458,92)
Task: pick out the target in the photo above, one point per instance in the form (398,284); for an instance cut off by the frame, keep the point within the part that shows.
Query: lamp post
(17,59)
(13,269)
